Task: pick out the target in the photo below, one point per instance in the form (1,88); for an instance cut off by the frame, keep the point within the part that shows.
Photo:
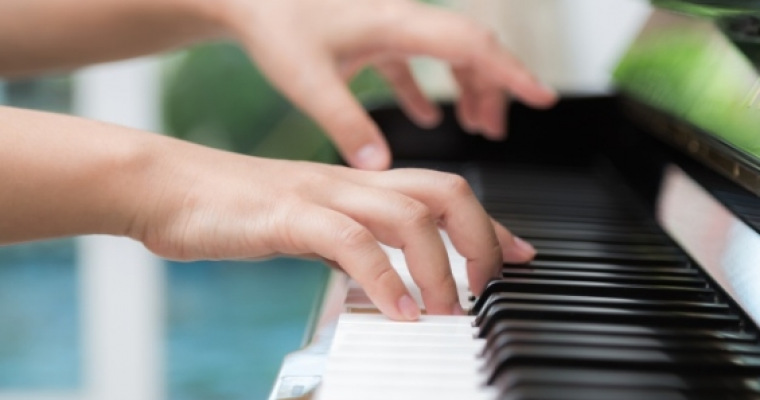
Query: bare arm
(58,178)
(47,35)
(307,48)
(63,176)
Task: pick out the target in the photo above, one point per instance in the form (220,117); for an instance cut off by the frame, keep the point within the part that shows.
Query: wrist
(67,176)
(124,176)
(150,177)
(209,18)
(220,15)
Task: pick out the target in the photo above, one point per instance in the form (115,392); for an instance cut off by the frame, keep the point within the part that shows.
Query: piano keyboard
(610,308)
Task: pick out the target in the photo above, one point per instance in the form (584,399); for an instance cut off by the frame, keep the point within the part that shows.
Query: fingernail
(495,131)
(370,157)
(430,120)
(548,88)
(470,127)
(408,308)
(457,310)
(524,246)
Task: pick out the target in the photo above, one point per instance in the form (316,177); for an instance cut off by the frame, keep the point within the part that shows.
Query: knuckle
(318,180)
(416,214)
(390,13)
(443,283)
(456,185)
(354,236)
(393,72)
(309,180)
(485,39)
(482,34)
(281,220)
(496,250)
(384,277)
(490,38)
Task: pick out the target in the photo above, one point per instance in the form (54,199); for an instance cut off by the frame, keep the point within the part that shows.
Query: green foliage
(215,96)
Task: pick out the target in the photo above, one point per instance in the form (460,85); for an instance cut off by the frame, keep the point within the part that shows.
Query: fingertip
(478,283)
(543,95)
(493,115)
(408,308)
(513,248)
(371,156)
(518,251)
(494,130)
(457,310)
(547,100)
(429,119)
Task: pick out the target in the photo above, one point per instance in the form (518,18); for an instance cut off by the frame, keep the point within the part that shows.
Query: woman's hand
(215,205)
(310,48)
(66,176)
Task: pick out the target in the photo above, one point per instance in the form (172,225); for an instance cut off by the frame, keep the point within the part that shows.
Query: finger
(453,37)
(337,237)
(513,248)
(467,104)
(492,113)
(461,215)
(416,105)
(407,224)
(482,107)
(311,80)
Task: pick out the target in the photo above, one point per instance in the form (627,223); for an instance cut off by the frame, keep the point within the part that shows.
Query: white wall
(570,44)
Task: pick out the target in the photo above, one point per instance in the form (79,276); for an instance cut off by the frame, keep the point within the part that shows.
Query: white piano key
(458,270)
(375,358)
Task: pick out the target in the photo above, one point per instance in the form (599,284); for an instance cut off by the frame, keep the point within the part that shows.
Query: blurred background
(101,318)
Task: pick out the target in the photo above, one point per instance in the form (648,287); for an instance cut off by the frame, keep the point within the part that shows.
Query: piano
(643,206)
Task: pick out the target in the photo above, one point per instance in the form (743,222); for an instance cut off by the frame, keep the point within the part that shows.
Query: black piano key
(671,345)
(612,277)
(615,358)
(606,247)
(590,194)
(601,393)
(684,270)
(575,377)
(618,302)
(668,333)
(610,308)
(569,221)
(560,210)
(609,257)
(562,313)
(592,197)
(536,233)
(594,212)
(583,288)
(526,218)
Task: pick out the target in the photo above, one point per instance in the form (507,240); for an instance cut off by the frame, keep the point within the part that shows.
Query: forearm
(43,35)
(63,176)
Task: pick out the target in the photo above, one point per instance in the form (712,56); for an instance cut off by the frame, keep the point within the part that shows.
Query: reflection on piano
(645,216)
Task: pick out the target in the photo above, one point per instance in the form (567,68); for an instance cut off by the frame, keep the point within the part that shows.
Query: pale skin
(65,176)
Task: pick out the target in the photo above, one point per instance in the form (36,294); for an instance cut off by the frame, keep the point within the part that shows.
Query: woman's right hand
(208,204)
(66,176)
